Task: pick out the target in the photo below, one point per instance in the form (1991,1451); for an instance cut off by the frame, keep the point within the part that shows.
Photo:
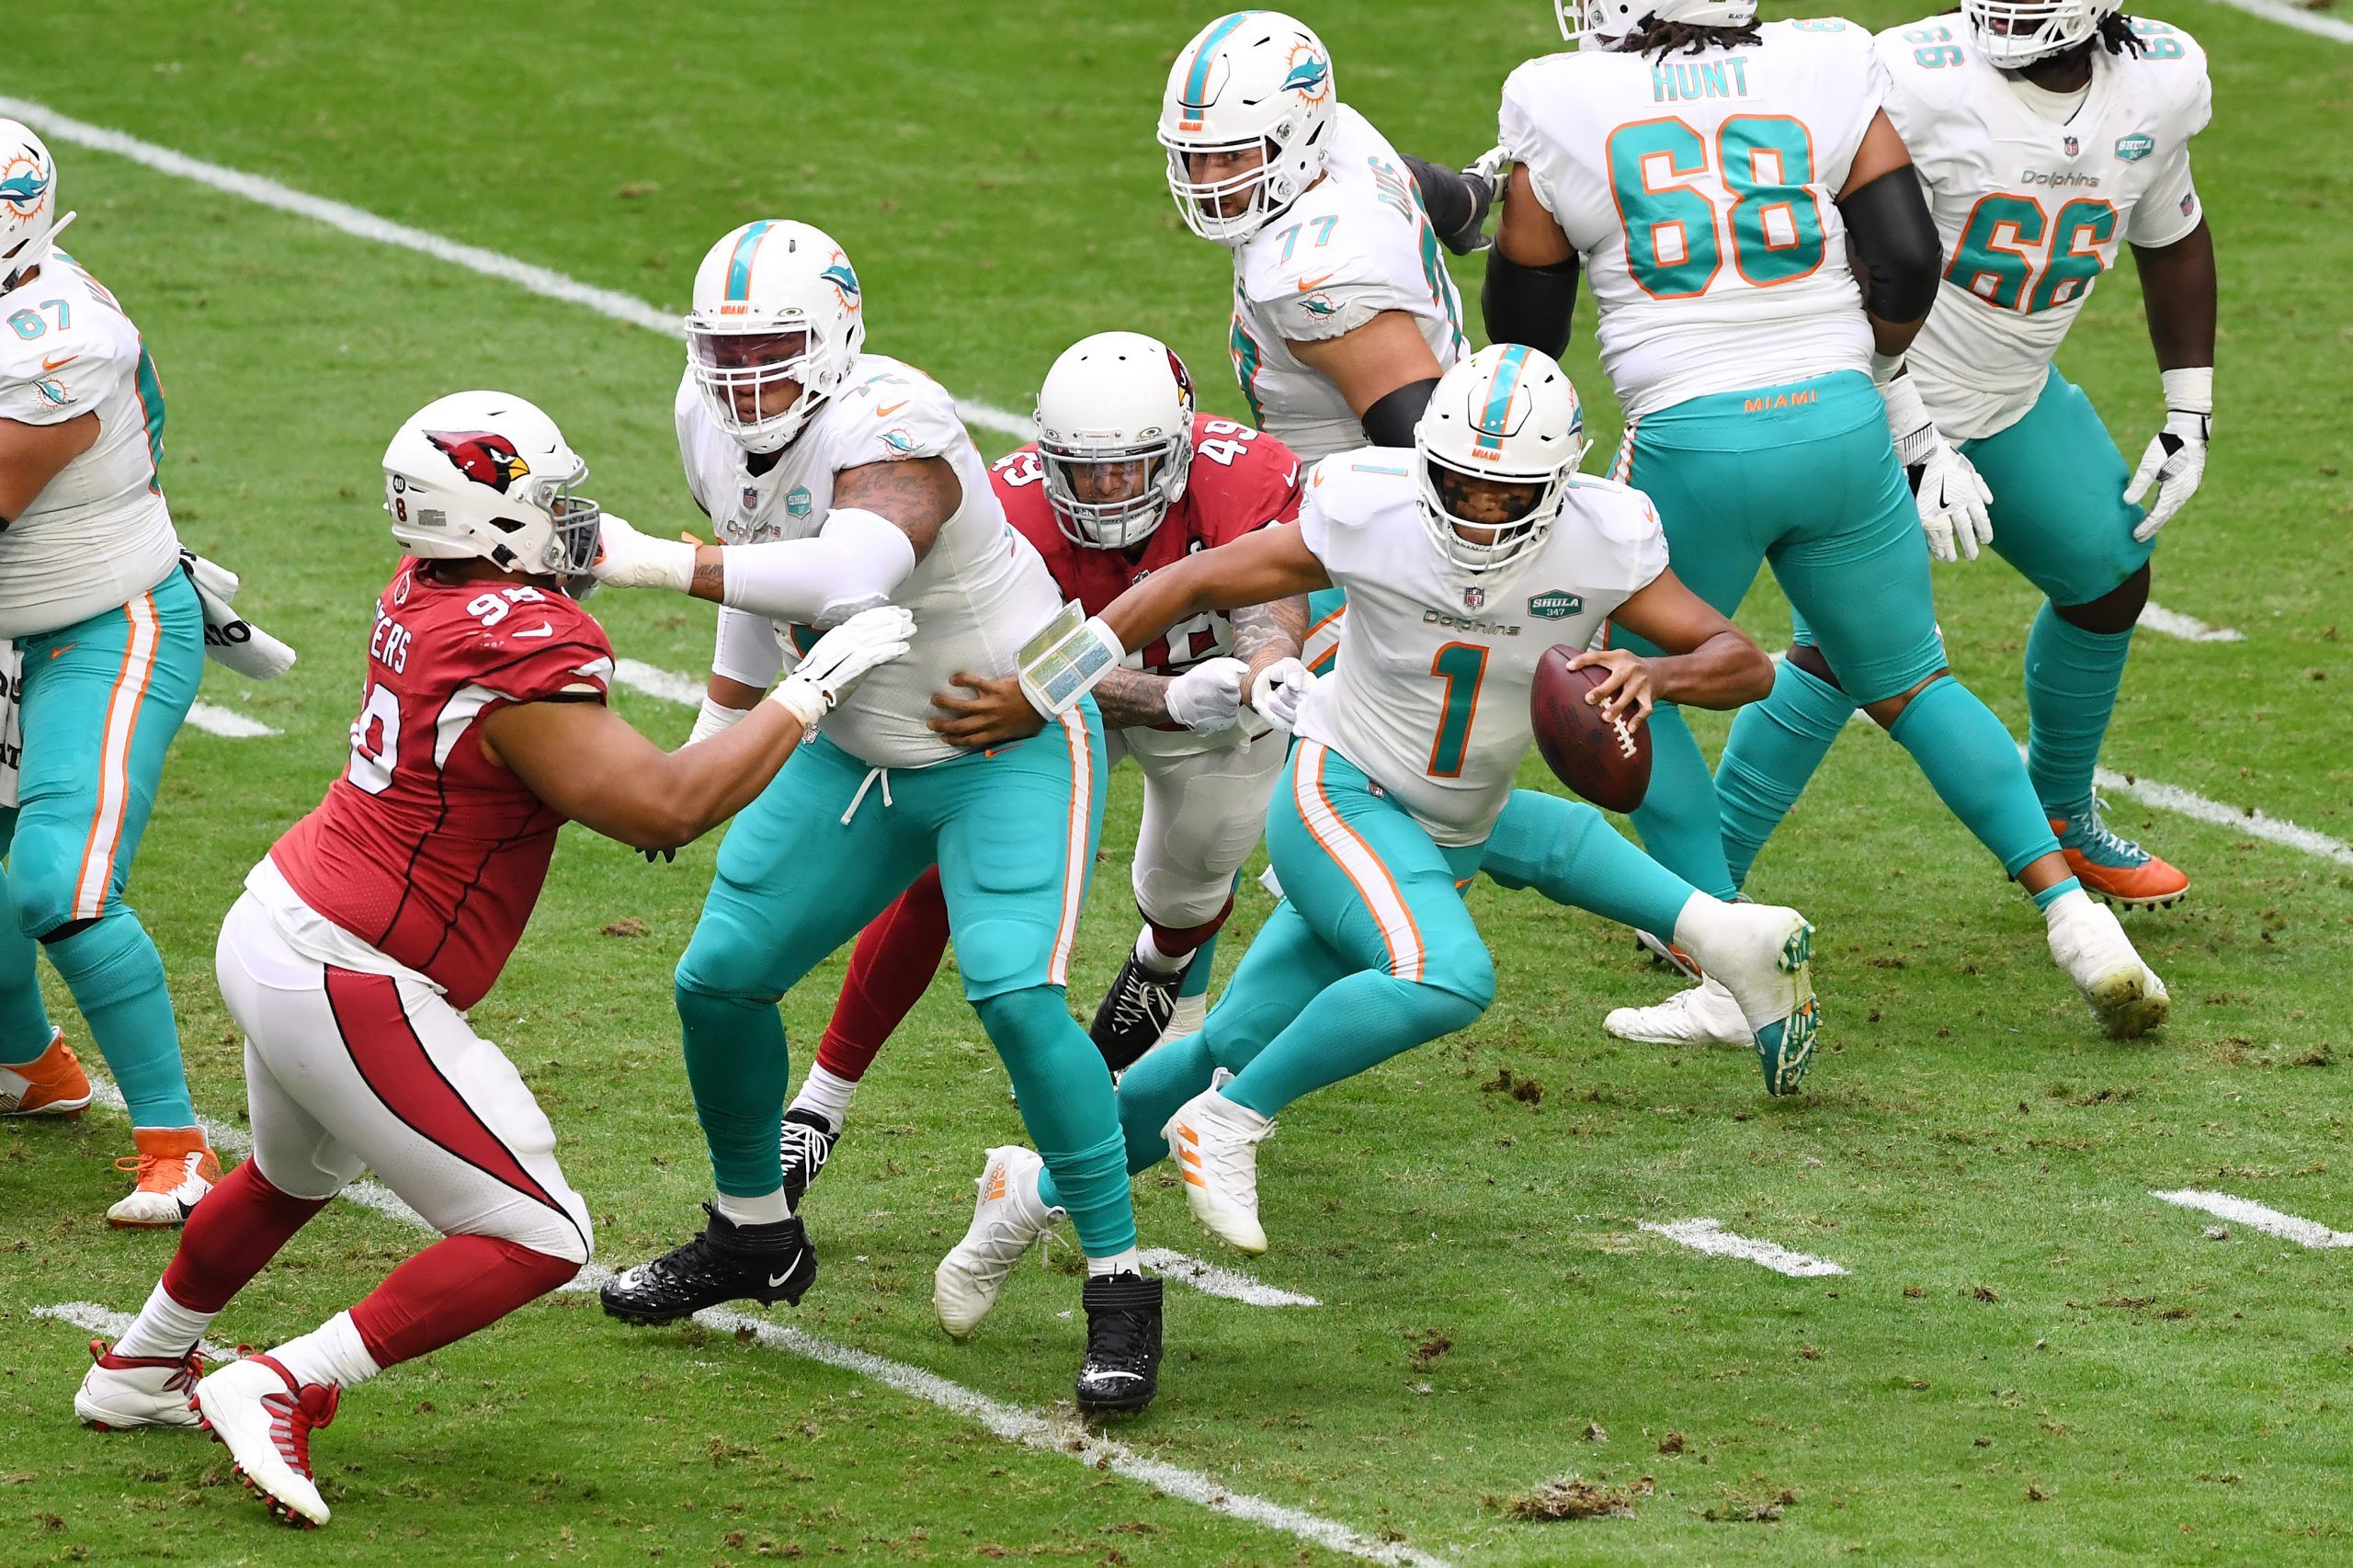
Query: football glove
(828,670)
(1207,696)
(628,559)
(2176,461)
(1945,489)
(1278,692)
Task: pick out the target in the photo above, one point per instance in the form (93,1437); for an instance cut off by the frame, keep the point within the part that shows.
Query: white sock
(1148,953)
(1128,1262)
(2075,901)
(1703,925)
(827,1095)
(331,1353)
(163,1329)
(767,1210)
(1191,1016)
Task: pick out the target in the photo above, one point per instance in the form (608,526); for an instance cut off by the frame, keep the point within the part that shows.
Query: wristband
(715,716)
(1063,663)
(2190,391)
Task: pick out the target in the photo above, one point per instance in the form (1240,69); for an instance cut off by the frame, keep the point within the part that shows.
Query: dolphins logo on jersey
(1310,75)
(843,279)
(24,189)
(483,456)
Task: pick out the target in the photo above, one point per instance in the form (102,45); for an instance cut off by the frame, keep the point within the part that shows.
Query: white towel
(228,637)
(11,731)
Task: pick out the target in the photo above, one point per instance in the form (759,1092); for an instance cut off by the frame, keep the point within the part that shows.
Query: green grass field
(2030,1357)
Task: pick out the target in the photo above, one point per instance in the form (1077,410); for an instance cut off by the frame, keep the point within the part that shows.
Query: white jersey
(2029,208)
(1699,190)
(1431,695)
(98,535)
(976,597)
(1357,243)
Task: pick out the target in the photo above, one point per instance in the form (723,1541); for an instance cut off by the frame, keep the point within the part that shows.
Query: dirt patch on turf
(1573,1498)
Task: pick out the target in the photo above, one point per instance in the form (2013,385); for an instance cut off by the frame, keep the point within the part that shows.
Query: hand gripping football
(1608,764)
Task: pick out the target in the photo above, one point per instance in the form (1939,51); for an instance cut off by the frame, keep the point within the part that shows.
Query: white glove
(628,559)
(1280,691)
(1950,496)
(715,716)
(1207,696)
(828,670)
(2175,459)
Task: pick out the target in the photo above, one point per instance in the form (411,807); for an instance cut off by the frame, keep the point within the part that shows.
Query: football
(1608,764)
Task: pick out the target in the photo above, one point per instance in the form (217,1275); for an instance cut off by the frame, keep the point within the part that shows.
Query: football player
(369,928)
(849,480)
(2049,133)
(1124,479)
(111,638)
(1710,173)
(1343,316)
(1466,557)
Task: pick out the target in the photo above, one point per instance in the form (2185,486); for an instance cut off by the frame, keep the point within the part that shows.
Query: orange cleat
(51,1084)
(2114,868)
(175,1167)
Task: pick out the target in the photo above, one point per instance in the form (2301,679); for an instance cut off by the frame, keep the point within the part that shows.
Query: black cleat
(808,1143)
(1133,1013)
(1122,1368)
(725,1262)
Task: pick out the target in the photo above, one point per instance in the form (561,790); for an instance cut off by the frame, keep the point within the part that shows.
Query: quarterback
(102,647)
(844,480)
(1124,479)
(1712,175)
(370,928)
(2048,134)
(1466,557)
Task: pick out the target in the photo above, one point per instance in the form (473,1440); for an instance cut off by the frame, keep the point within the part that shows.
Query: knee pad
(722,963)
(40,891)
(2118,611)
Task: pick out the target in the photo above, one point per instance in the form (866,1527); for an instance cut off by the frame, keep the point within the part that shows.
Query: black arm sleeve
(1892,235)
(1390,422)
(1456,203)
(1529,304)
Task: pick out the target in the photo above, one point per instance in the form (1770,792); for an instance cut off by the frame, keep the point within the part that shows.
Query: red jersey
(1241,480)
(426,849)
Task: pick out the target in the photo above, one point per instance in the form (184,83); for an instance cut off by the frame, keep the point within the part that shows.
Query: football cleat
(121,1392)
(1215,1145)
(1122,1367)
(2089,943)
(51,1084)
(1133,1013)
(1703,1014)
(175,1168)
(256,1409)
(1661,952)
(724,1262)
(2115,868)
(807,1145)
(1769,972)
(1008,1218)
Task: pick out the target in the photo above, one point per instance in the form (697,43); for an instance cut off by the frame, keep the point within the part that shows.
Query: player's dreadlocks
(1685,37)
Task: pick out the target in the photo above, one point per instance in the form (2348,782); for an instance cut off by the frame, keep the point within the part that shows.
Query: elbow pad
(1895,239)
(1456,203)
(1529,304)
(857,561)
(1389,421)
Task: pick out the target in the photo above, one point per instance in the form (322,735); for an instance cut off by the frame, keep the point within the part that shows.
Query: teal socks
(117,978)
(1678,819)
(1569,852)
(739,1067)
(1776,746)
(2071,677)
(1974,766)
(25,1029)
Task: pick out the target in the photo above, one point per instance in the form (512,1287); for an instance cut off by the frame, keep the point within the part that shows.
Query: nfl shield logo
(2072,147)
(751,498)
(1474,598)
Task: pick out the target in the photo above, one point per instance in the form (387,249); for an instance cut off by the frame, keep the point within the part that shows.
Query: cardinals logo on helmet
(1183,380)
(483,456)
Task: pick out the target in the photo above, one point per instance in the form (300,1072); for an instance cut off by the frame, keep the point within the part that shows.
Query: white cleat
(1215,1145)
(175,1168)
(1008,1218)
(121,1392)
(1703,1014)
(1766,963)
(265,1419)
(2089,943)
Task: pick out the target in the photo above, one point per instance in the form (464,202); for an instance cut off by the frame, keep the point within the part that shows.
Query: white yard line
(93,1318)
(2188,628)
(2238,819)
(215,720)
(668,685)
(2294,17)
(1211,1279)
(2256,1217)
(1711,1237)
(362,224)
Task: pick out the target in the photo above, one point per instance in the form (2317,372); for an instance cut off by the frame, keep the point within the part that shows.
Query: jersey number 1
(1674,243)
(1462,666)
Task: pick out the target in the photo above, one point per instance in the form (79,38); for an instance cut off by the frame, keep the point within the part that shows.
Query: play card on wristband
(1064,660)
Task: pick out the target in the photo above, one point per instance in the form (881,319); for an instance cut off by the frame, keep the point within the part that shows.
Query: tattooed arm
(1263,635)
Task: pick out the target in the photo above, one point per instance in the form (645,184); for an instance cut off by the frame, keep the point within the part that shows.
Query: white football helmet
(1253,81)
(1508,412)
(776,323)
(2011,33)
(485,474)
(1606,21)
(1117,398)
(28,220)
